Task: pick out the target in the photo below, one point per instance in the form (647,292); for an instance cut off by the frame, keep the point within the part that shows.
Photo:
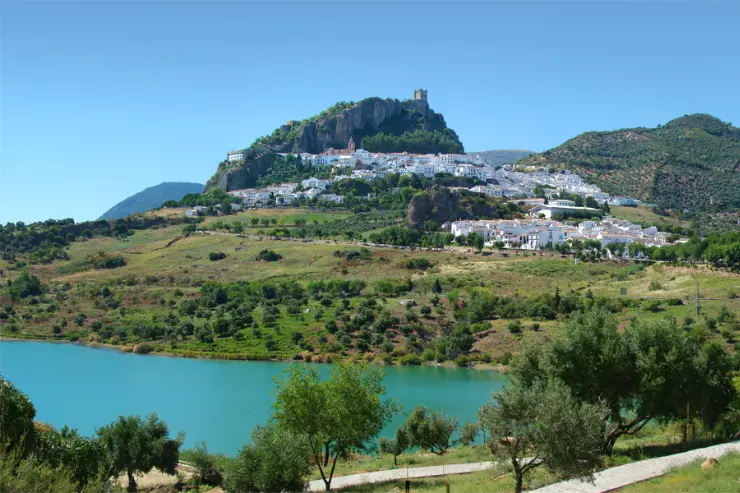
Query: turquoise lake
(219,402)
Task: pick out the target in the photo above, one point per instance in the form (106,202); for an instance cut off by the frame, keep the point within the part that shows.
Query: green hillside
(690,163)
(151,197)
(499,157)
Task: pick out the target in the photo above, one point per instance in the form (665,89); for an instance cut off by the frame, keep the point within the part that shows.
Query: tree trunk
(131,482)
(518,475)
(519,478)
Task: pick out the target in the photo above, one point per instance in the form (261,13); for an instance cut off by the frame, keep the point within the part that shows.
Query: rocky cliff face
(438,204)
(333,128)
(367,117)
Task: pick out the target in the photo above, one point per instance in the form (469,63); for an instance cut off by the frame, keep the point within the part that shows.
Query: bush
(411,359)
(462,361)
(213,256)
(655,285)
(144,348)
(276,460)
(268,256)
(418,264)
(515,326)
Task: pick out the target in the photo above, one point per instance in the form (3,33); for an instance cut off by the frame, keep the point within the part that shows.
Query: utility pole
(697,298)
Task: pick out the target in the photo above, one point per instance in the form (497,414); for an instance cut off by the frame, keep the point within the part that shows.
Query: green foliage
(100,260)
(468,433)
(137,445)
(31,475)
(16,419)
(268,256)
(418,141)
(24,286)
(688,163)
(276,460)
(653,370)
(213,256)
(543,424)
(338,415)
(84,457)
(430,430)
(394,446)
(419,263)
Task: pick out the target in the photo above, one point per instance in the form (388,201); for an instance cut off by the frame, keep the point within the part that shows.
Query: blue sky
(102,99)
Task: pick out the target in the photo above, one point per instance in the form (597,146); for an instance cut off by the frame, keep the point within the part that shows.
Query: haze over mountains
(151,197)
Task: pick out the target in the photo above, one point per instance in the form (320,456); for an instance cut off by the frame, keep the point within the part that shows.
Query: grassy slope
(721,478)
(161,270)
(646,216)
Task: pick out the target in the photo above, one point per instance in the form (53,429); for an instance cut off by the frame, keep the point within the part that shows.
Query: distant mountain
(504,156)
(151,197)
(692,162)
(373,124)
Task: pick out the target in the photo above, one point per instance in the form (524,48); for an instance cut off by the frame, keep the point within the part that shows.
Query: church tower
(351,145)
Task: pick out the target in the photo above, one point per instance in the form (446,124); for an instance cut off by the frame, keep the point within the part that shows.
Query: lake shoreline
(245,359)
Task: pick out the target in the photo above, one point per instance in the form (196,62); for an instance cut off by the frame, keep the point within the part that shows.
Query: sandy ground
(155,478)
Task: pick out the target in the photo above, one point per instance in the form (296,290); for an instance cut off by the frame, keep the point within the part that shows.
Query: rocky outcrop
(438,204)
(367,117)
(441,204)
(333,128)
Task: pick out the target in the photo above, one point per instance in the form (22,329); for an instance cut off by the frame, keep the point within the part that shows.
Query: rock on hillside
(150,198)
(438,204)
(692,163)
(389,124)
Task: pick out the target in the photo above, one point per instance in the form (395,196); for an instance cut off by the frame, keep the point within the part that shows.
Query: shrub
(213,256)
(411,359)
(418,264)
(515,326)
(268,256)
(144,348)
(655,285)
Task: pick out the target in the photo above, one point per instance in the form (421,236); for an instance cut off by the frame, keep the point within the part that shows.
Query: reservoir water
(219,402)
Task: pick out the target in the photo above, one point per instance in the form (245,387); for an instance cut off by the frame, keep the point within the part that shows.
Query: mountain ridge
(150,198)
(690,163)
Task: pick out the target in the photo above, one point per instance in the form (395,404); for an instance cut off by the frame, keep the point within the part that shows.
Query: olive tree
(543,425)
(137,445)
(276,460)
(338,415)
(468,433)
(652,370)
(394,446)
(16,419)
(430,430)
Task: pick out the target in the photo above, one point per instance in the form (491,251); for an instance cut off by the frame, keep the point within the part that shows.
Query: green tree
(653,370)
(337,415)
(475,240)
(276,460)
(24,286)
(543,425)
(84,457)
(468,433)
(430,430)
(137,445)
(394,446)
(237,227)
(16,419)
(254,222)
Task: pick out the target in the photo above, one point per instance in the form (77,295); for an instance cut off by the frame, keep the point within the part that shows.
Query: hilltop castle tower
(420,94)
